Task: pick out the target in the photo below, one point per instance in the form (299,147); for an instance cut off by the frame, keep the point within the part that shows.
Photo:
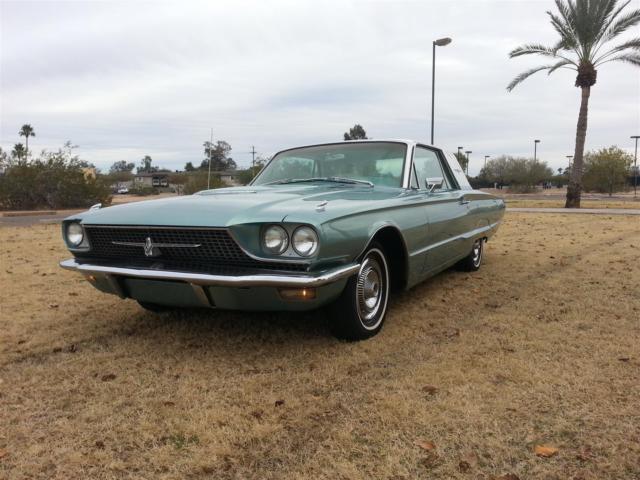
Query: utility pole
(253,156)
(210,155)
(535,149)
(635,169)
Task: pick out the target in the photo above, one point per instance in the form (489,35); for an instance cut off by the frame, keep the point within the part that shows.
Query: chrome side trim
(257,280)
(464,236)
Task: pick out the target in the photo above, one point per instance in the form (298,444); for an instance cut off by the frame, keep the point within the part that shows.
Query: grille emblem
(153,249)
(149,248)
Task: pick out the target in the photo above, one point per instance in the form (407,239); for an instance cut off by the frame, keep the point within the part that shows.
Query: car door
(445,207)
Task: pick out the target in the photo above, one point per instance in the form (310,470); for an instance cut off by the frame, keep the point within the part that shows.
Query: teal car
(341,225)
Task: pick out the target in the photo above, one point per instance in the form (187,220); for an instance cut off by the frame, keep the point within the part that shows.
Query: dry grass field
(557,203)
(469,375)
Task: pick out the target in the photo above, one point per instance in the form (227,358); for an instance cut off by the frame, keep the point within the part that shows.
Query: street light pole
(485,160)
(635,168)
(468,152)
(535,149)
(441,42)
(210,153)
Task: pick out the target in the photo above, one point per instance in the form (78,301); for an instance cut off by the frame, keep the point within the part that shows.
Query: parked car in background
(340,224)
(123,190)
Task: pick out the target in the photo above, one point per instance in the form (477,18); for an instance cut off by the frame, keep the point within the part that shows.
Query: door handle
(464,201)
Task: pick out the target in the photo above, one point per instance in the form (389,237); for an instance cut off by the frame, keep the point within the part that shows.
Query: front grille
(217,248)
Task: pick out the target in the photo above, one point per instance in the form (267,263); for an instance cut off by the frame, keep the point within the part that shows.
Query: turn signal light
(297,293)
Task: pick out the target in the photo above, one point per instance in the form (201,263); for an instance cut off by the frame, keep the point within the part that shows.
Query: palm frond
(533,48)
(633,44)
(632,58)
(621,25)
(560,64)
(524,75)
(612,15)
(568,37)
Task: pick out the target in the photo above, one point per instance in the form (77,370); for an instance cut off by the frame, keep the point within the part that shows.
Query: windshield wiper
(352,181)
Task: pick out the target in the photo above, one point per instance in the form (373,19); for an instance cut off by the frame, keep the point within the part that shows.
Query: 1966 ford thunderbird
(339,224)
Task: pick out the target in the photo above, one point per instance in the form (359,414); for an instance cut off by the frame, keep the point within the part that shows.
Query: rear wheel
(360,310)
(472,262)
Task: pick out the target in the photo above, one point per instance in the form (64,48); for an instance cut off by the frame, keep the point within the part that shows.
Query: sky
(126,79)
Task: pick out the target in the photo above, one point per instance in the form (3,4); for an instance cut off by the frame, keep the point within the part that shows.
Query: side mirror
(433,183)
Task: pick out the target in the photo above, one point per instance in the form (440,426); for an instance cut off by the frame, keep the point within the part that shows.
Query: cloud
(127,79)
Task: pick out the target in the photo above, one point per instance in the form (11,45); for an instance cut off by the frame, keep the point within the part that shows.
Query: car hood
(308,203)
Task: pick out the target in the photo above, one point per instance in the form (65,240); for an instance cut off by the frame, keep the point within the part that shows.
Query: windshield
(377,163)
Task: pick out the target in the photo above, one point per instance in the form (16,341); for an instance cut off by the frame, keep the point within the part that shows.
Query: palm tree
(585,27)
(18,151)
(27,131)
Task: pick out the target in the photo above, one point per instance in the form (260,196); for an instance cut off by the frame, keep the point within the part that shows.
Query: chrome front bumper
(204,279)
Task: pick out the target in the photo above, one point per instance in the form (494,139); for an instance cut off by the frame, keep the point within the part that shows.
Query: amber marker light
(299,294)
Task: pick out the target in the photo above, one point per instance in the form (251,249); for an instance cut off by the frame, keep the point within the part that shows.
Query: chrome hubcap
(477,252)
(371,291)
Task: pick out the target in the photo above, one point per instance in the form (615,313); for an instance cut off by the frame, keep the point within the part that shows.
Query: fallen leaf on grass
(108,377)
(425,444)
(624,359)
(429,389)
(463,466)
(545,451)
(53,305)
(279,403)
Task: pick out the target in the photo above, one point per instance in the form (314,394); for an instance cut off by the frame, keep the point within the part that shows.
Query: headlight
(75,234)
(276,239)
(305,241)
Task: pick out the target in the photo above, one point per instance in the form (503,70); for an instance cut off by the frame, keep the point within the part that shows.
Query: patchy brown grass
(604,203)
(540,347)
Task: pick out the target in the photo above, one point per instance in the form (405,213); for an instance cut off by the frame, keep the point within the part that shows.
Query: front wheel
(360,310)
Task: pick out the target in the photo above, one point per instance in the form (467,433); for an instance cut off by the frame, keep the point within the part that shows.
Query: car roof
(407,142)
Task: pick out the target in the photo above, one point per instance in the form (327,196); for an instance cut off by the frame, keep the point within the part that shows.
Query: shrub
(143,190)
(54,180)
(197,182)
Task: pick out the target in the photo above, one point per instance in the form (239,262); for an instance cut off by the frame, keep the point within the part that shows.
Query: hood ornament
(321,206)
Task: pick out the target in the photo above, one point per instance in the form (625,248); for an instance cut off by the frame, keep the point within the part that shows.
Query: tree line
(607,170)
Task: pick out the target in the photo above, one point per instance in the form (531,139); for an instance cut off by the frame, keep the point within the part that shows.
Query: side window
(427,165)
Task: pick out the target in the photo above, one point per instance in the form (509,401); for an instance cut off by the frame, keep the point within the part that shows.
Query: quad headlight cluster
(303,241)
(75,236)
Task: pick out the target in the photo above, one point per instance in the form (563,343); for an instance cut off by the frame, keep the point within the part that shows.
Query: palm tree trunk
(26,148)
(574,189)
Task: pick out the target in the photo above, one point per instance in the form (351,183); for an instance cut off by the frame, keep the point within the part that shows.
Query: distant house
(157,179)
(89,173)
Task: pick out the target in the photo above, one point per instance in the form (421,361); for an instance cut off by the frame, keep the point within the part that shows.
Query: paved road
(597,211)
(28,220)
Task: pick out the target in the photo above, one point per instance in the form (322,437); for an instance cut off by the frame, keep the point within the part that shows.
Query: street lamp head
(468,152)
(537,141)
(635,136)
(441,42)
